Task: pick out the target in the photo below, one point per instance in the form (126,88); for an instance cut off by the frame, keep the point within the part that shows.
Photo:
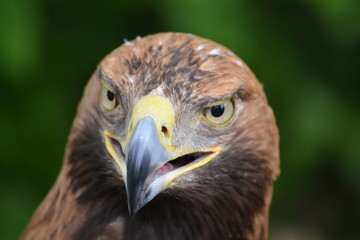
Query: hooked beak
(145,155)
(148,162)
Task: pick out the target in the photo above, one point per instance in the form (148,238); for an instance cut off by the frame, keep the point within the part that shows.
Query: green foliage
(305,52)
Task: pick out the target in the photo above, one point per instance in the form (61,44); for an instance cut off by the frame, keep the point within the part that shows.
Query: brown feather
(227,199)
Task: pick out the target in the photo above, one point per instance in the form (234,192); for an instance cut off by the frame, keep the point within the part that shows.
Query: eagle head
(173,139)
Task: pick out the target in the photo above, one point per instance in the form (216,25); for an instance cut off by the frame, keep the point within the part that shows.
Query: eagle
(173,139)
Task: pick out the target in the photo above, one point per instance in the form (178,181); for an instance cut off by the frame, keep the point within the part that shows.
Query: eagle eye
(110,96)
(108,99)
(221,113)
(218,110)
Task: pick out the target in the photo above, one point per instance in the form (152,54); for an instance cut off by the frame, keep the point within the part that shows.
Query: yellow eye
(108,99)
(220,114)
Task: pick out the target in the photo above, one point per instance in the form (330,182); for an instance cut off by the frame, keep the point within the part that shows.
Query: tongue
(165,169)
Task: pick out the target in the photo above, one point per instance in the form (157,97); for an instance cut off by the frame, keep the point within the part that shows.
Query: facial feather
(231,194)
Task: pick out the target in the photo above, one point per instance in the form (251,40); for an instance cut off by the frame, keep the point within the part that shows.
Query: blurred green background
(307,54)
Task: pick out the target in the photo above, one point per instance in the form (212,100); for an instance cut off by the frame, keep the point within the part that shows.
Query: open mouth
(169,166)
(155,179)
(148,168)
(181,162)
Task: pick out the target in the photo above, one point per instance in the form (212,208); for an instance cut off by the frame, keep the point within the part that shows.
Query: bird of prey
(173,139)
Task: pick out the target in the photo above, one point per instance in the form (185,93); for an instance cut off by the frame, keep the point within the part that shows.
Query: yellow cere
(161,111)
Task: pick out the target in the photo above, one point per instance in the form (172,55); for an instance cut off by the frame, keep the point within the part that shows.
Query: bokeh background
(307,54)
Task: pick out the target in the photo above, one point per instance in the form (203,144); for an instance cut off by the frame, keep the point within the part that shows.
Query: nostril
(165,131)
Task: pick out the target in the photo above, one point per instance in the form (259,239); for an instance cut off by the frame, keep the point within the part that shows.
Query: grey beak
(145,154)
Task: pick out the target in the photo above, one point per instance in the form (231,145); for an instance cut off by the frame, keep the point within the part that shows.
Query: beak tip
(134,202)
(132,210)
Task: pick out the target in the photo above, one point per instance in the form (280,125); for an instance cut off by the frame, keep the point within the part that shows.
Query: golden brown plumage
(225,189)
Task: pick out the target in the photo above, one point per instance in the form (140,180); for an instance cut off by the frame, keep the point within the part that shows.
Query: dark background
(307,54)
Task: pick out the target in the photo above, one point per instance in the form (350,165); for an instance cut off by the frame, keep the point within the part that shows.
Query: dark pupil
(110,95)
(218,110)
